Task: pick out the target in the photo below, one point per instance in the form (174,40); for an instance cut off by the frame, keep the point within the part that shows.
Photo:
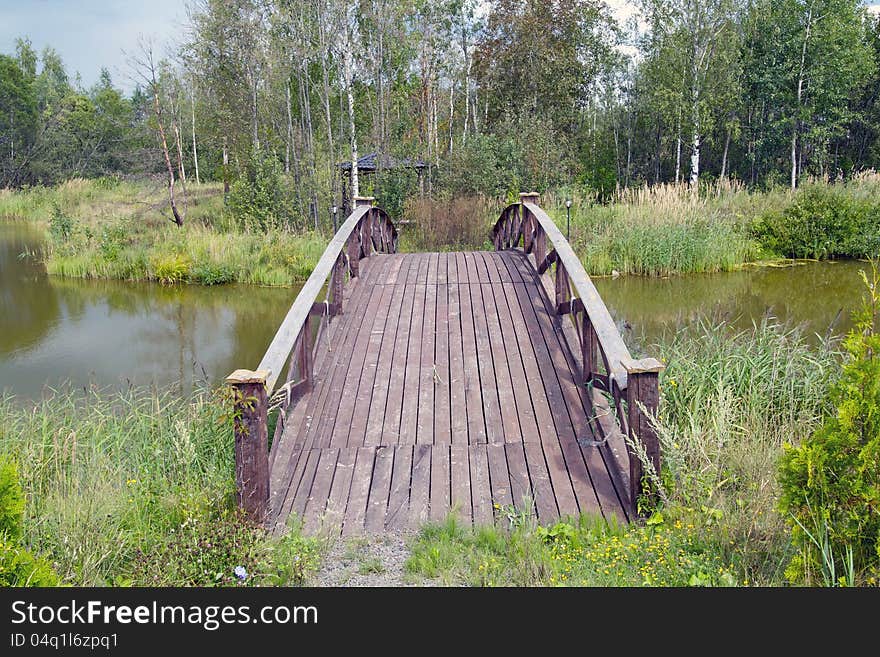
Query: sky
(89,34)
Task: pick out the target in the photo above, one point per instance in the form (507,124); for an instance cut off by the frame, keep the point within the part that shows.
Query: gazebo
(369,164)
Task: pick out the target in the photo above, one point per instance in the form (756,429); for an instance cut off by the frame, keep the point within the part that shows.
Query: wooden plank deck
(445,386)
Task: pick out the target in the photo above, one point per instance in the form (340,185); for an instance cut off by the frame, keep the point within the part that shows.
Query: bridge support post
(643,396)
(250,426)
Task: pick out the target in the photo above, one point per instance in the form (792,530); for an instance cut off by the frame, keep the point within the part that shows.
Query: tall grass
(729,402)
(135,488)
(120,230)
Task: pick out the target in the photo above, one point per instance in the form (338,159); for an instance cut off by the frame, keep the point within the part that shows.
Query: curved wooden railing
(367,229)
(595,344)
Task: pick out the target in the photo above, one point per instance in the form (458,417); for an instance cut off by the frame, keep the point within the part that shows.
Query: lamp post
(334,210)
(568,219)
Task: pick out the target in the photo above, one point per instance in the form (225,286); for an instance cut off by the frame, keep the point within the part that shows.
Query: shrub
(458,223)
(823,221)
(11,501)
(60,225)
(831,481)
(170,269)
(212,273)
(257,199)
(18,567)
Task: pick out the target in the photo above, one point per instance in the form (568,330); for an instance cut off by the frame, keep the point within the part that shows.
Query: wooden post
(353,251)
(539,245)
(250,420)
(563,293)
(642,387)
(337,280)
(589,344)
(306,373)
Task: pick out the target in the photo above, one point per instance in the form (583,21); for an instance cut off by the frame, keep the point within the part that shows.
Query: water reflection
(114,333)
(819,296)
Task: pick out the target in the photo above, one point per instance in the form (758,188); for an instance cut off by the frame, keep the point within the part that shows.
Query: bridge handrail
(367,229)
(592,333)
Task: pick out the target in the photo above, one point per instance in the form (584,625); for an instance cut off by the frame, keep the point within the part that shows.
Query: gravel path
(367,561)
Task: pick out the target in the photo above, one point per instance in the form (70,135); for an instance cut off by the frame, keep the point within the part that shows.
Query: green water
(110,333)
(816,296)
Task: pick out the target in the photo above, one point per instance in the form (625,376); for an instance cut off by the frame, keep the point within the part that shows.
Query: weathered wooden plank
(398,498)
(338,498)
(397,373)
(305,485)
(427,366)
(306,415)
(460,484)
(520,485)
(509,421)
(409,412)
(501,486)
(485,361)
(524,405)
(331,379)
(382,384)
(472,384)
(420,488)
(380,487)
(365,388)
(440,501)
(441,382)
(361,479)
(316,503)
(542,490)
(481,489)
(342,393)
(458,414)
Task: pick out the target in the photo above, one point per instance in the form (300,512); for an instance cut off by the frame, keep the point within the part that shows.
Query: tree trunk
(195,149)
(288,143)
(355,189)
(158,110)
(180,166)
(225,168)
(724,156)
(800,90)
(678,149)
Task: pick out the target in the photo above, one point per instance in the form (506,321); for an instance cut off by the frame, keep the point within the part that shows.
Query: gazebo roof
(373,161)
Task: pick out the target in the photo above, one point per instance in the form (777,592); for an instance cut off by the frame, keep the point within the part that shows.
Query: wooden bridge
(424,383)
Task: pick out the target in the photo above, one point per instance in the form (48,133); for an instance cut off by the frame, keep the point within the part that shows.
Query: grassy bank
(120,230)
(729,402)
(668,229)
(137,489)
(110,229)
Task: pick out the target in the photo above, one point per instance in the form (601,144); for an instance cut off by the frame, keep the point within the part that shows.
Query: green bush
(11,501)
(258,199)
(212,273)
(18,567)
(831,481)
(823,221)
(60,225)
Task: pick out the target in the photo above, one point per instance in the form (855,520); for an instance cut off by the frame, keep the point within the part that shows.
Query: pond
(110,333)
